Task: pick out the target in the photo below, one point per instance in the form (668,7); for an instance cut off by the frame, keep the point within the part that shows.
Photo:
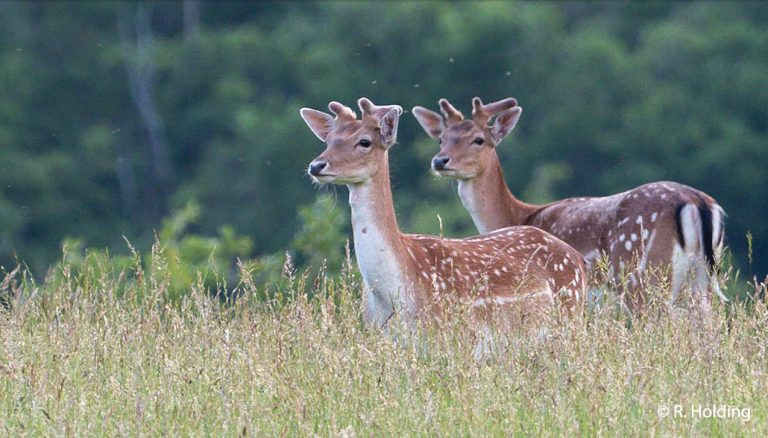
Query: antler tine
(451,114)
(481,113)
(342,112)
(376,111)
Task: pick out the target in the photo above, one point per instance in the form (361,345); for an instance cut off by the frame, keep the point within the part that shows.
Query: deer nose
(316,167)
(438,163)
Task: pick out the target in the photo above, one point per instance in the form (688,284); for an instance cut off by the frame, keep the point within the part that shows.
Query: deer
(514,272)
(654,234)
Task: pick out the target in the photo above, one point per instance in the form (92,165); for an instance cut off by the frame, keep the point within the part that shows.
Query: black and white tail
(701,230)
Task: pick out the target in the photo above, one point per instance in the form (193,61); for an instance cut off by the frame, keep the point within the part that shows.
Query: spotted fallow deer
(514,271)
(667,226)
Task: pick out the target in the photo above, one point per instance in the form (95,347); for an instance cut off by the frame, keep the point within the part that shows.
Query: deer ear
(319,122)
(504,124)
(430,121)
(388,127)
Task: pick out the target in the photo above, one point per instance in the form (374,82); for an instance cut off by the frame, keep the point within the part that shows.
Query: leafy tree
(97,95)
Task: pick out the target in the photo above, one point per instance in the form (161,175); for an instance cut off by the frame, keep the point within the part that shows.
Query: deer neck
(373,211)
(379,247)
(490,203)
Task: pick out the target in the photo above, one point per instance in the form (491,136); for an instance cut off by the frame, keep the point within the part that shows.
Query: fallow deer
(512,271)
(667,226)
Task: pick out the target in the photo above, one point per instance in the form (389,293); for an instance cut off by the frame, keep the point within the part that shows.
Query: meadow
(102,348)
(176,125)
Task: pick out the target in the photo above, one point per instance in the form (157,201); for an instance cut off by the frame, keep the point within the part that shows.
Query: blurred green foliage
(615,94)
(178,258)
(321,238)
(220,264)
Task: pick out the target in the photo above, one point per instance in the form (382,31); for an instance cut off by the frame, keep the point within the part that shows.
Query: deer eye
(365,143)
(478,140)
(439,140)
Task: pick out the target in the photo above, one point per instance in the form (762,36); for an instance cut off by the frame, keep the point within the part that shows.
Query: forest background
(178,121)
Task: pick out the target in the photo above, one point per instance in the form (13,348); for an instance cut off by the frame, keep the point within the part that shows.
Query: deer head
(354,148)
(467,146)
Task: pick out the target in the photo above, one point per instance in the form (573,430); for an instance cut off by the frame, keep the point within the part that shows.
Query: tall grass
(103,351)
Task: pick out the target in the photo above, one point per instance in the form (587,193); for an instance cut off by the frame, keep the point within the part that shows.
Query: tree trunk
(140,68)
(191,13)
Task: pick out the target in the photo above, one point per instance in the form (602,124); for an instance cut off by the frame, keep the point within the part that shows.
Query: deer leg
(680,267)
(715,285)
(701,293)
(485,346)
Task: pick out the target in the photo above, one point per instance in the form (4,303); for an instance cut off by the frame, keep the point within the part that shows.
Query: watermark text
(703,411)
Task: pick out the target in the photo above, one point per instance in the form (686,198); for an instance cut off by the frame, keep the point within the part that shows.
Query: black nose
(316,167)
(438,163)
